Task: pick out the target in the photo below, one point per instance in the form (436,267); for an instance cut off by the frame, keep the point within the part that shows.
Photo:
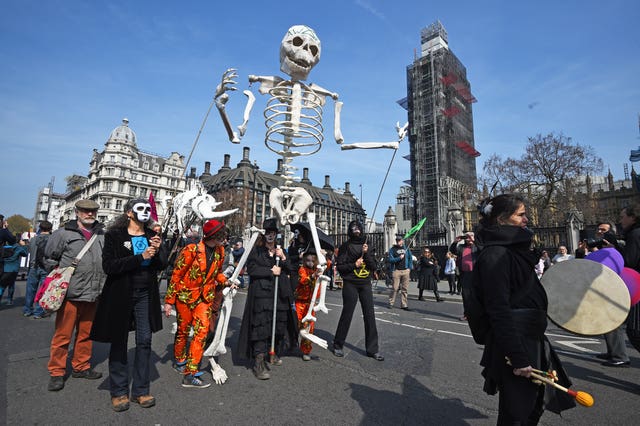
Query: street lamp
(255,174)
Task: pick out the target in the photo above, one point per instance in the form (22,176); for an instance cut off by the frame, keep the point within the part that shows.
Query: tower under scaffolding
(442,152)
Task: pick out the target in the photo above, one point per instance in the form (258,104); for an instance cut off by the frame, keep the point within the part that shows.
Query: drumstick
(581,398)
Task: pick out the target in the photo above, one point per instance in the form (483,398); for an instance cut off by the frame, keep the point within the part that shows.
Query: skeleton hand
(227,83)
(218,374)
(402,131)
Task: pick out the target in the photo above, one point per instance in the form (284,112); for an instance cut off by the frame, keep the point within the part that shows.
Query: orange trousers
(72,316)
(198,318)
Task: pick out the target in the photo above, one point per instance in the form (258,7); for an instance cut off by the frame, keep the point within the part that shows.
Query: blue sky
(71,70)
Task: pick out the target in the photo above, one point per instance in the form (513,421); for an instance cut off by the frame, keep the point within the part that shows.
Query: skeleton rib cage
(293,117)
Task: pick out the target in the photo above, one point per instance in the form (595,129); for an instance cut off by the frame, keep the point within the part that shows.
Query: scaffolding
(439,104)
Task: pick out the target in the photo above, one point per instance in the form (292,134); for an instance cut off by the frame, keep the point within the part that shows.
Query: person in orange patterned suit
(307,275)
(196,273)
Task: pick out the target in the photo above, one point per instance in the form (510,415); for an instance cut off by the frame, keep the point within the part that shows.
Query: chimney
(279,169)
(225,166)
(347,188)
(193,173)
(245,162)
(207,168)
(327,185)
(305,176)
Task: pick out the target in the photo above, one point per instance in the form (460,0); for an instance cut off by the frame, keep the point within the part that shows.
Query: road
(430,376)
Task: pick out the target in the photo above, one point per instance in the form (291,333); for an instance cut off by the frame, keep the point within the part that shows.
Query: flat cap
(87,205)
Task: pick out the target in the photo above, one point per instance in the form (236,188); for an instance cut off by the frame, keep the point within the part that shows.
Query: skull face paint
(270,236)
(142,211)
(299,52)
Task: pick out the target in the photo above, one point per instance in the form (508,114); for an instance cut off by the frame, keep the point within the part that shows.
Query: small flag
(635,155)
(154,212)
(415,228)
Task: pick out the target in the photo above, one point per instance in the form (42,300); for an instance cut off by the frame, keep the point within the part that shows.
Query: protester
(356,264)
(10,269)
(450,272)
(307,275)
(267,265)
(78,309)
(401,261)
(39,267)
(466,251)
(133,255)
(197,272)
(516,305)
(428,271)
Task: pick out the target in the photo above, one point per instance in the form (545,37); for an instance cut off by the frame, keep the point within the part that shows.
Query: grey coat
(64,245)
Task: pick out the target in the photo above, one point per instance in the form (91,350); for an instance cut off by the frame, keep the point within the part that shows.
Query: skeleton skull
(299,52)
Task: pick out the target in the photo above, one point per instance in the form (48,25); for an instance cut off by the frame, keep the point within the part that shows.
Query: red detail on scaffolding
(448,79)
(465,93)
(451,111)
(464,145)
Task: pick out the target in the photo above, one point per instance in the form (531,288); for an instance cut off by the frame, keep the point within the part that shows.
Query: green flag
(415,228)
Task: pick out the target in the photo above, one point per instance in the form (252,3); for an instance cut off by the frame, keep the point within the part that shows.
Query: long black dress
(428,273)
(255,331)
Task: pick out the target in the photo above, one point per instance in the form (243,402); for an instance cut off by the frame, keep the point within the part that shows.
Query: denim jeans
(118,368)
(34,281)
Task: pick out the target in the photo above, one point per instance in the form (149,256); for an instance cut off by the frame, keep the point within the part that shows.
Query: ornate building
(121,172)
(247,187)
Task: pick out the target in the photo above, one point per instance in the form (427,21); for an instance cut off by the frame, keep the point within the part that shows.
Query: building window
(154,180)
(120,187)
(112,158)
(108,186)
(133,190)
(156,167)
(123,160)
(134,176)
(121,173)
(118,204)
(145,165)
(110,171)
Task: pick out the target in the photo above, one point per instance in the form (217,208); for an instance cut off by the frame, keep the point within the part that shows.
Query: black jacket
(349,252)
(114,313)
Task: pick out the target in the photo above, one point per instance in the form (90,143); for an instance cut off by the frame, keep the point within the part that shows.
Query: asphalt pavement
(430,376)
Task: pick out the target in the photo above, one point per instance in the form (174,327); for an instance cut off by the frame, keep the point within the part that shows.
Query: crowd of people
(115,289)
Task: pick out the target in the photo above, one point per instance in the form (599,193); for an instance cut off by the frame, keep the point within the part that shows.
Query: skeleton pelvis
(290,204)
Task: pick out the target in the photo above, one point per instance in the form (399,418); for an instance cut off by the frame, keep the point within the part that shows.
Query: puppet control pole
(272,349)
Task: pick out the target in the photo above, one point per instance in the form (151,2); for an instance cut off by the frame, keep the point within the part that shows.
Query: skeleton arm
(402,132)
(221,98)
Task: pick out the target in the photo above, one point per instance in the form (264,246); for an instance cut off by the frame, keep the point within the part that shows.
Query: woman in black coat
(132,257)
(428,270)
(516,305)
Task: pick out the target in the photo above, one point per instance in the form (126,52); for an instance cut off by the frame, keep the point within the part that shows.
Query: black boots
(260,368)
(438,298)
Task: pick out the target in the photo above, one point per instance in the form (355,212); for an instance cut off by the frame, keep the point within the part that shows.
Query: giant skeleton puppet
(293,117)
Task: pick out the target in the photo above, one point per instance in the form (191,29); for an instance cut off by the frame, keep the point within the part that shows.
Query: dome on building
(123,134)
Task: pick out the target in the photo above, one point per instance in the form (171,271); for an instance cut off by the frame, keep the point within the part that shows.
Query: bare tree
(548,173)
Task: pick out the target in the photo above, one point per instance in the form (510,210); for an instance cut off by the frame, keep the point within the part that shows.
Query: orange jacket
(188,283)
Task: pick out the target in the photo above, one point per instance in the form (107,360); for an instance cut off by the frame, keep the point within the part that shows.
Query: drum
(586,297)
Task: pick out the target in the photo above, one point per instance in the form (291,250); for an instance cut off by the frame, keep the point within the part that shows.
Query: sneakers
(193,381)
(306,357)
(120,403)
(27,314)
(179,366)
(377,356)
(56,383)
(145,401)
(406,308)
(338,352)
(89,374)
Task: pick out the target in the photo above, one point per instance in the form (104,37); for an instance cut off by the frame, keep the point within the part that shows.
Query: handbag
(54,287)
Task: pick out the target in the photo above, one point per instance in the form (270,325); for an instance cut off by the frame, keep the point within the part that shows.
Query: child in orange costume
(307,275)
(197,272)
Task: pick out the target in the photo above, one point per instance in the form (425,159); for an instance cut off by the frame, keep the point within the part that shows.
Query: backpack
(41,243)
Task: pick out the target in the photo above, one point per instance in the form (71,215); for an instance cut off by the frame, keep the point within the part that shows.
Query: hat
(211,228)
(87,205)
(399,238)
(270,224)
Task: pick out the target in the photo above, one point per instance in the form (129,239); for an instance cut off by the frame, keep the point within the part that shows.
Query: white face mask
(142,211)
(270,236)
